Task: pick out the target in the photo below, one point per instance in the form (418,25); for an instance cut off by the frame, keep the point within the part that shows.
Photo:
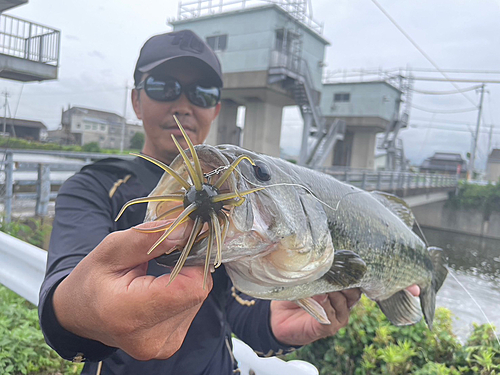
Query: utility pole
(6,94)
(490,136)
(124,118)
(470,172)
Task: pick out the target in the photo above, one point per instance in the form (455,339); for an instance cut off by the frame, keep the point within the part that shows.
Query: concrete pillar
(224,129)
(363,150)
(262,131)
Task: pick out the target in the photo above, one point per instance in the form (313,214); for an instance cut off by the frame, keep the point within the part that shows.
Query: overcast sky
(101,40)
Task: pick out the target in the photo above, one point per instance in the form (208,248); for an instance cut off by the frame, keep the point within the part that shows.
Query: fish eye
(261,171)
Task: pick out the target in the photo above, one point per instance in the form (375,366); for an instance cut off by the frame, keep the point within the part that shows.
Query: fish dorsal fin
(396,205)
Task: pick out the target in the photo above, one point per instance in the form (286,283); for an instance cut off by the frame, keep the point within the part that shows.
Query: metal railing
(399,183)
(199,8)
(32,181)
(28,40)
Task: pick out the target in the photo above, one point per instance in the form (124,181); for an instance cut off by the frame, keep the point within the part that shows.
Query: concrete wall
(367,99)
(252,36)
(436,215)
(363,144)
(493,172)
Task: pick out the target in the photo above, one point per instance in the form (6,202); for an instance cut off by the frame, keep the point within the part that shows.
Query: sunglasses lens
(162,90)
(204,97)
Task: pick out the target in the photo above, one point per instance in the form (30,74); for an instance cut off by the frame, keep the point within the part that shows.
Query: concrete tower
(272,56)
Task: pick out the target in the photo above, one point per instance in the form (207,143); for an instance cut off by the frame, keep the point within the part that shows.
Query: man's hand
(109,298)
(292,325)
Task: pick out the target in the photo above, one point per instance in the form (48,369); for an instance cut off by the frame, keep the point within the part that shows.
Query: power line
(460,71)
(453,80)
(445,121)
(444,110)
(446,92)
(420,49)
(484,130)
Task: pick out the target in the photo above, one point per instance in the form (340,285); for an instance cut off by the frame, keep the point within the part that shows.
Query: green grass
(22,346)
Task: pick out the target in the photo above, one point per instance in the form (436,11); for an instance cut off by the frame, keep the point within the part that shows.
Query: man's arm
(91,304)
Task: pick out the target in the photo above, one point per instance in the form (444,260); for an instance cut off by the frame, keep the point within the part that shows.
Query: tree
(137,141)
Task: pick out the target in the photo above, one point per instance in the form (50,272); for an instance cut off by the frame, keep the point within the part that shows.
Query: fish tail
(428,293)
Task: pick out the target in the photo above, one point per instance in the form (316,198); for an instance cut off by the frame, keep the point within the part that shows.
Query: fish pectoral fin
(401,308)
(347,269)
(314,309)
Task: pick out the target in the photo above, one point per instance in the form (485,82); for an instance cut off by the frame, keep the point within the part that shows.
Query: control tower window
(342,97)
(217,42)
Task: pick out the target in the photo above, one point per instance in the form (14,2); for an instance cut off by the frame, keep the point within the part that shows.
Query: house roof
(448,156)
(90,112)
(25,123)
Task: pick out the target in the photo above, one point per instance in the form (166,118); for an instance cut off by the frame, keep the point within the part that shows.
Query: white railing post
(9,182)
(43,190)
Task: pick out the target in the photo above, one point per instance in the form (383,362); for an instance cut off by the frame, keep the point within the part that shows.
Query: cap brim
(151,66)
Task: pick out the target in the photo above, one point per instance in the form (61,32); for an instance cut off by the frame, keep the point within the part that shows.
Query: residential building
(84,125)
(493,166)
(26,129)
(445,163)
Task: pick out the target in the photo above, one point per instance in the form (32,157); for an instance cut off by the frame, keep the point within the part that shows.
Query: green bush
(137,141)
(18,143)
(91,147)
(471,196)
(22,347)
(33,231)
(372,345)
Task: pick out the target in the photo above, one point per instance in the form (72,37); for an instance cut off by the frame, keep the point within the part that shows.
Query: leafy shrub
(471,196)
(18,143)
(91,147)
(137,141)
(23,349)
(31,230)
(370,344)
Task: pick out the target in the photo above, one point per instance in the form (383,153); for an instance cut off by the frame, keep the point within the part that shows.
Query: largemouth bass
(285,232)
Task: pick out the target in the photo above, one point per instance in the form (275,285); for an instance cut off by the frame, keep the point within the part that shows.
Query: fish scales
(306,233)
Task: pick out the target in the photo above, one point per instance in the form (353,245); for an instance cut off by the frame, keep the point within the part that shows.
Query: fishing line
(305,188)
(477,304)
(422,233)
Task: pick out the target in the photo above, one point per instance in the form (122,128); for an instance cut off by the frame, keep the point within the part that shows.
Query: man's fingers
(414,290)
(338,301)
(352,296)
(128,248)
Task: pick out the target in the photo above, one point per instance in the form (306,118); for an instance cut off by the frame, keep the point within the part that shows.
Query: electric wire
(427,57)
(443,110)
(484,131)
(447,92)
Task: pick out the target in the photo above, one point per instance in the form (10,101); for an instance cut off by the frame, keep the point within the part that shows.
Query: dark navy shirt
(85,210)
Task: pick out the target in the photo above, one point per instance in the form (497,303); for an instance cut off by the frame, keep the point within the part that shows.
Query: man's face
(157,117)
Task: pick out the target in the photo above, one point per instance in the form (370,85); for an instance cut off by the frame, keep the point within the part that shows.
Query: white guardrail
(22,269)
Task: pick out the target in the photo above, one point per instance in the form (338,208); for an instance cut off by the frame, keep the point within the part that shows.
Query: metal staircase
(318,138)
(395,154)
(326,143)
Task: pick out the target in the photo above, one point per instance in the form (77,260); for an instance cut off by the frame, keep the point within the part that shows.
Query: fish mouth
(188,191)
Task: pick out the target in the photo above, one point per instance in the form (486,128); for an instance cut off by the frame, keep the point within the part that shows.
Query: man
(104,300)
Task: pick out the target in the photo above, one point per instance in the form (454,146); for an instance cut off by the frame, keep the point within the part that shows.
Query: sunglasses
(169,89)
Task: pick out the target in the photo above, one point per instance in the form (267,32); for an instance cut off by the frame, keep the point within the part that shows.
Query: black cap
(184,43)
